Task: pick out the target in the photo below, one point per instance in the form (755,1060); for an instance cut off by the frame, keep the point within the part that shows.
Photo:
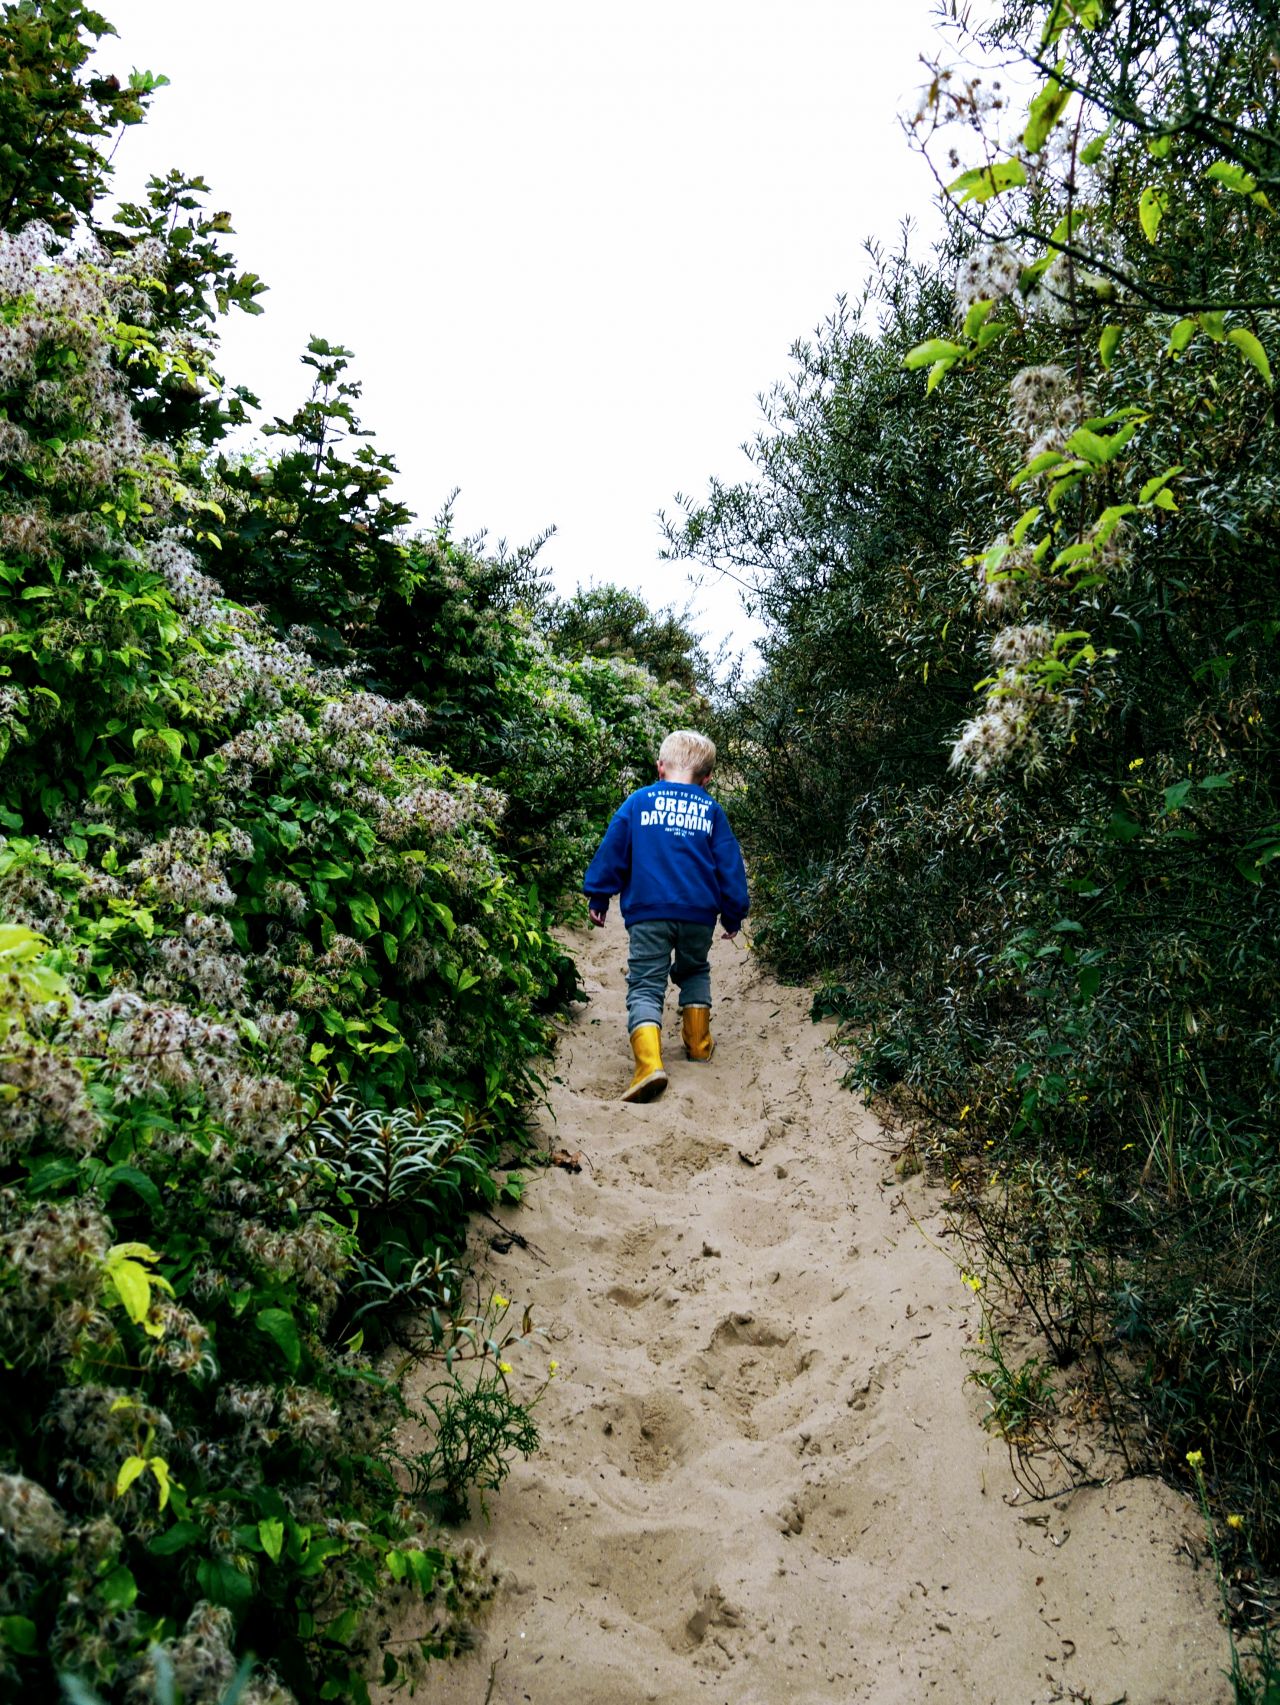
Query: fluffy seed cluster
(1010,728)
(202,1660)
(987,275)
(31,1523)
(1045,408)
(61,355)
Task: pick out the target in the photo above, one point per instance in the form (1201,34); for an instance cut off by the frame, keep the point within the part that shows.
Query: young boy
(671,854)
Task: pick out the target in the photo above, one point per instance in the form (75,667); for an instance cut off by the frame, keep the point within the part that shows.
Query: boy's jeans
(667,947)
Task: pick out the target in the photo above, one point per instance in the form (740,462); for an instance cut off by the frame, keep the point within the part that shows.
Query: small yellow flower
(1195,1458)
(1137,763)
(965,1111)
(501,1301)
(504,1367)
(973,1281)
(552,1366)
(1236,1522)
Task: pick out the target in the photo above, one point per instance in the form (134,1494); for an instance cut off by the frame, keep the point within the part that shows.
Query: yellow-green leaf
(1107,344)
(1153,204)
(160,1468)
(130,1469)
(1252,351)
(931,350)
(133,1286)
(1236,178)
(1045,111)
(1092,151)
(984,182)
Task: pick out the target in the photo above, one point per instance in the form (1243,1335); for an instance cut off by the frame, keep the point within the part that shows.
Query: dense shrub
(277,877)
(1050,914)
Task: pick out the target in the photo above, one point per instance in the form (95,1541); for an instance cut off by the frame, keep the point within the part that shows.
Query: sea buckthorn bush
(1009,770)
(277,885)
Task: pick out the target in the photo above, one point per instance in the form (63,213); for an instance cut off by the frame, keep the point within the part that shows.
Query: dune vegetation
(1009,772)
(293,791)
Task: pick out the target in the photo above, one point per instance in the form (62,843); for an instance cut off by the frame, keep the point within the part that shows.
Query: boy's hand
(597,918)
(728,934)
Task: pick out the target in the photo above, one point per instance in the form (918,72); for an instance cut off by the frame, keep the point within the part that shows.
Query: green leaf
(1093,150)
(423,1568)
(1153,204)
(1122,827)
(1108,343)
(19,1635)
(1084,14)
(938,372)
(175,1539)
(222,1583)
(119,1590)
(1175,796)
(974,319)
(280,1326)
(1181,335)
(1095,448)
(1024,524)
(136,1180)
(1252,351)
(1159,146)
(933,349)
(1045,111)
(1037,465)
(271,1533)
(1233,177)
(364,913)
(984,182)
(1158,482)
(343,1626)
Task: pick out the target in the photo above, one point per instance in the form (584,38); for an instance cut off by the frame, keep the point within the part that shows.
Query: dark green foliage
(1054,930)
(610,621)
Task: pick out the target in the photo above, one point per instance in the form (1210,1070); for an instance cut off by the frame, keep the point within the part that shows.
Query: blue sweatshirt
(670,853)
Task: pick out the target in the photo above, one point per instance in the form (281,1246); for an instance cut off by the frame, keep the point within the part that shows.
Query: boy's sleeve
(611,866)
(735,902)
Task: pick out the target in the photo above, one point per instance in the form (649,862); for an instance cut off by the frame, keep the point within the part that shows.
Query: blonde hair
(683,749)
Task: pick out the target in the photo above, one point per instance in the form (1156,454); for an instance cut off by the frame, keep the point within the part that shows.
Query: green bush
(276,893)
(1047,913)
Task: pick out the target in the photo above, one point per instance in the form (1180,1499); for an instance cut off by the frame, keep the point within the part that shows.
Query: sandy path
(763,1477)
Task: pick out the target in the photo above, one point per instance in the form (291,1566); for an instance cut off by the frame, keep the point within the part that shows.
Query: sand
(763,1475)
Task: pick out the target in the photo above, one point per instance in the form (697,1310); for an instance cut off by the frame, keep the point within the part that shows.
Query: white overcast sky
(569,243)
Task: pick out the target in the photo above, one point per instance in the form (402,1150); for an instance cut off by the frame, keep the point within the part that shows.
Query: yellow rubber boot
(695,1028)
(650,1079)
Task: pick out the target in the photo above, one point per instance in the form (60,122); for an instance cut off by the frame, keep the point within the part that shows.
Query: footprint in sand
(646,1436)
(713,1612)
(747,1362)
(854,1507)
